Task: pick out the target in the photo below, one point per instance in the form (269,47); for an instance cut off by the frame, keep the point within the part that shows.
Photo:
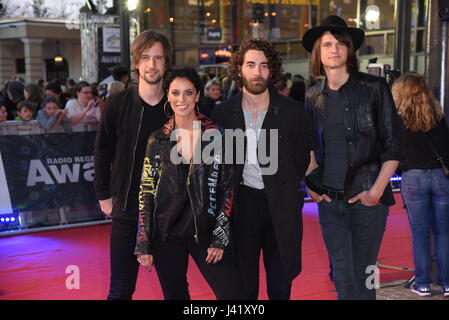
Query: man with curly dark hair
(267,209)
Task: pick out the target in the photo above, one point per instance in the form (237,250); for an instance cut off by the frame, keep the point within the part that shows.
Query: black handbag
(314,181)
(438,157)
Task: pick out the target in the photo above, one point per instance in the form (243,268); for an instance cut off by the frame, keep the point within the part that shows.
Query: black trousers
(253,231)
(124,265)
(171,260)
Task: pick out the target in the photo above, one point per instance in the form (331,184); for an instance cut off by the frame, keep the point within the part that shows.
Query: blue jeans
(426,198)
(352,234)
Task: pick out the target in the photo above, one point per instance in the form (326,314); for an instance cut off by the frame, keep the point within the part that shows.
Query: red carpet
(33,267)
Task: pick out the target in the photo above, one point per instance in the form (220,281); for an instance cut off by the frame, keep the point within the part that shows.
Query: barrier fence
(46,179)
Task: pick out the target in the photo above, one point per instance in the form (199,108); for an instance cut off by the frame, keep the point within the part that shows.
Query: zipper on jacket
(155,202)
(134,158)
(195,236)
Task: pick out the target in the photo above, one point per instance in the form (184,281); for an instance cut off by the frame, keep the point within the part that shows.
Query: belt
(337,195)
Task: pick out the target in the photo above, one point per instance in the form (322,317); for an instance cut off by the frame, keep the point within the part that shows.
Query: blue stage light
(2,219)
(13,219)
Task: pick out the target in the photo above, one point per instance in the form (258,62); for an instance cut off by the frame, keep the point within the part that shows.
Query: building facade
(205,31)
(28,48)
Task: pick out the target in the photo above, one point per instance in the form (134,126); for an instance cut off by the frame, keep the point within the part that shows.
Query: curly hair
(274,60)
(415,102)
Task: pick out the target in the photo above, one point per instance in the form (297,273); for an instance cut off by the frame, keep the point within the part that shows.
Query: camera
(382,70)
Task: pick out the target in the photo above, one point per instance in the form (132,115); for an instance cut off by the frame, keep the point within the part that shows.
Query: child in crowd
(3,113)
(25,111)
(50,115)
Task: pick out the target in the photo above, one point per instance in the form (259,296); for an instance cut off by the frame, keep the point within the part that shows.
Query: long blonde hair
(419,110)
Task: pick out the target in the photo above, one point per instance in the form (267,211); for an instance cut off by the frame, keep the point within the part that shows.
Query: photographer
(85,108)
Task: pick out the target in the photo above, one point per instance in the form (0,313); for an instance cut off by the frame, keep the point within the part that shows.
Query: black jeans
(124,265)
(171,259)
(253,231)
(353,235)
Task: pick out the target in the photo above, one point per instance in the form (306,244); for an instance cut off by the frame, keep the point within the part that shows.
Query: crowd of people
(346,134)
(54,102)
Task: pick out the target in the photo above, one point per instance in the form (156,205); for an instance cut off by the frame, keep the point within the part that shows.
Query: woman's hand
(214,255)
(145,260)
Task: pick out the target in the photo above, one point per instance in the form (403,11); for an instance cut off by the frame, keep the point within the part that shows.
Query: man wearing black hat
(356,151)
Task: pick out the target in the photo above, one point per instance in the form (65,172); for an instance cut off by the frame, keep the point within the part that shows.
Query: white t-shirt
(74,108)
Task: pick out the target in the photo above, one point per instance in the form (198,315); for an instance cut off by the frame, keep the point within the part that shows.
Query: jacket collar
(354,78)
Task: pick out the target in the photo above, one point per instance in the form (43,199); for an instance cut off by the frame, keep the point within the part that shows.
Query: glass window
(216,18)
(377,14)
(391,38)
(282,49)
(420,41)
(297,51)
(273,20)
(373,45)
(154,14)
(346,9)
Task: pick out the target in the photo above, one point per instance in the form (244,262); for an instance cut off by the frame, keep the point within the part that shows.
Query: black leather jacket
(209,187)
(371,127)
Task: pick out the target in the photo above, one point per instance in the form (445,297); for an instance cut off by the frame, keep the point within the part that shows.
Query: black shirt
(418,153)
(175,214)
(335,155)
(153,118)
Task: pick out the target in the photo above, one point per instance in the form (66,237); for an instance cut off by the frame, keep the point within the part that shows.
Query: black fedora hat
(333,24)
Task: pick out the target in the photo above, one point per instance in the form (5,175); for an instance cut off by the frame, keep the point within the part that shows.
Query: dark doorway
(57,70)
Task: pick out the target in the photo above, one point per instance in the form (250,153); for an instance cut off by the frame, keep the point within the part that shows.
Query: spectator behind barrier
(212,91)
(3,113)
(13,95)
(115,87)
(25,110)
(85,108)
(298,91)
(50,115)
(121,73)
(70,89)
(33,95)
(53,88)
(282,86)
(41,85)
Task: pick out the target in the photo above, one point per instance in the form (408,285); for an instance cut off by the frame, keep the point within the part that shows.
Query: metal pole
(437,55)
(124,35)
(403,35)
(443,63)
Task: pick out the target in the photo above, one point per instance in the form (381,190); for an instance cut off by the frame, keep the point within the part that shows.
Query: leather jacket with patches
(209,187)
(372,128)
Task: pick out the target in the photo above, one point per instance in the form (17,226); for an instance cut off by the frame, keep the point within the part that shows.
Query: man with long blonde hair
(425,177)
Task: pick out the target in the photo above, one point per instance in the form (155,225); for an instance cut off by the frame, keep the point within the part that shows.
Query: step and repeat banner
(46,171)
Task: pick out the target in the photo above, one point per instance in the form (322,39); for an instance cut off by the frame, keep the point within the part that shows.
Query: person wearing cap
(356,150)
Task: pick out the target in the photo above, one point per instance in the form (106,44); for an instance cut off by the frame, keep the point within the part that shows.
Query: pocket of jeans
(411,190)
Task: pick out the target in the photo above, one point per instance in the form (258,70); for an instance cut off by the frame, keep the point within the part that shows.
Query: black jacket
(285,199)
(209,187)
(372,129)
(115,148)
